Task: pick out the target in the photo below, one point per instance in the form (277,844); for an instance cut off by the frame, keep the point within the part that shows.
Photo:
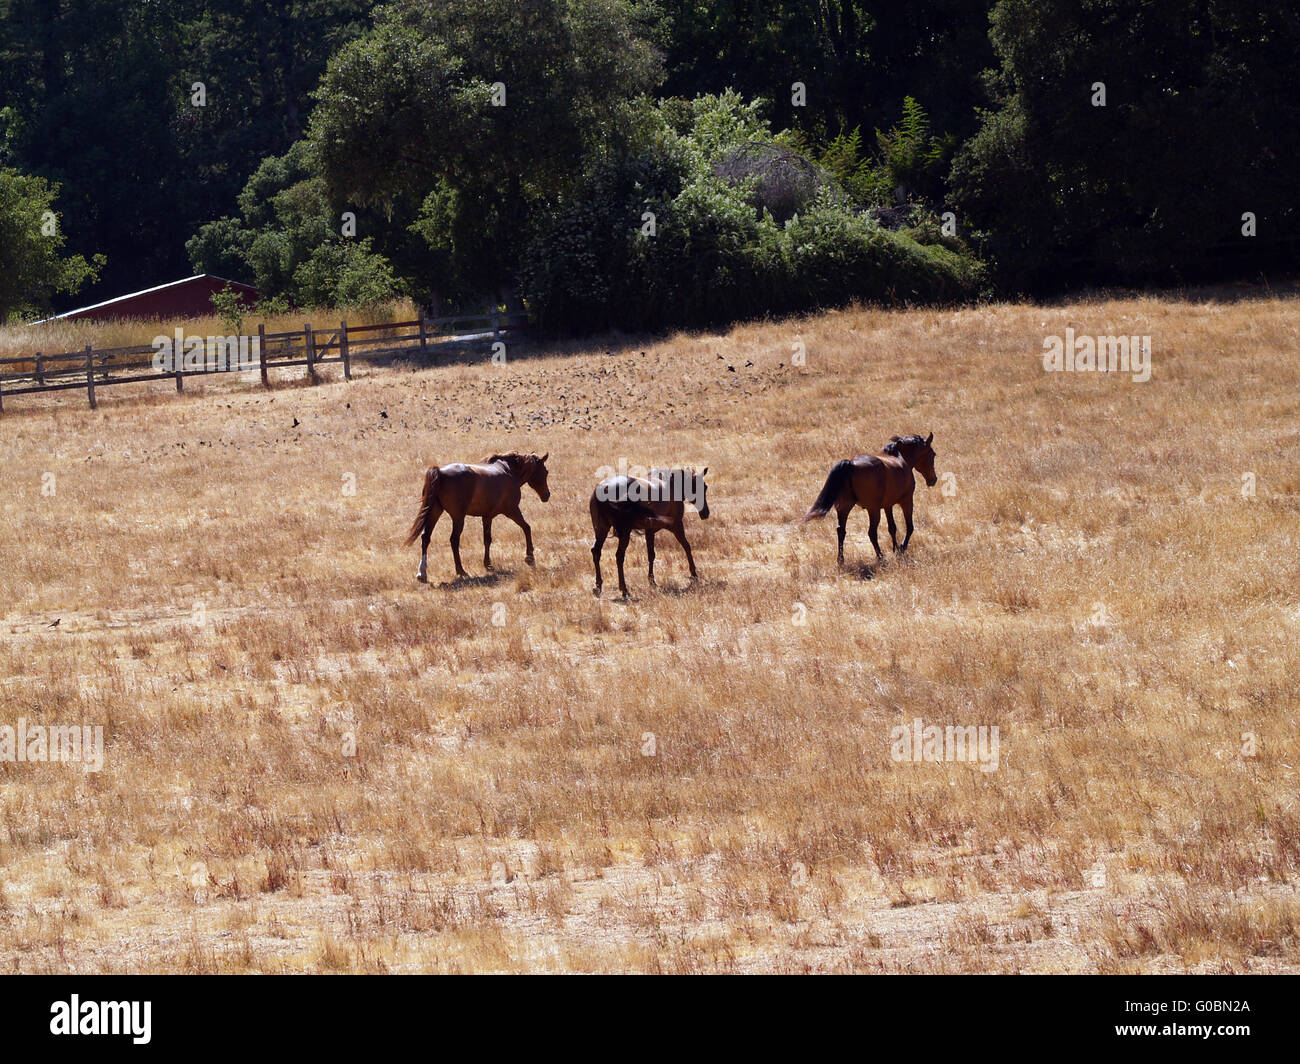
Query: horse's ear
(928,439)
(548,455)
(706,471)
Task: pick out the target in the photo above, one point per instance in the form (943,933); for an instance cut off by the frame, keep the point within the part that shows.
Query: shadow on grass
(490,579)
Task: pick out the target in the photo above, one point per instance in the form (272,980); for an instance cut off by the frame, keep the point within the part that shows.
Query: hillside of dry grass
(314,763)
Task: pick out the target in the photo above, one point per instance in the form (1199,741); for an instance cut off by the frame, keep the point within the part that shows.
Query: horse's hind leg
(875,522)
(602,530)
(842,529)
(623,536)
(680,533)
(422,574)
(650,553)
(893,528)
(487,543)
(457,523)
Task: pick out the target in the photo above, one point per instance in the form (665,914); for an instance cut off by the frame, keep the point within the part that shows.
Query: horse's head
(700,493)
(526,469)
(916,452)
(537,476)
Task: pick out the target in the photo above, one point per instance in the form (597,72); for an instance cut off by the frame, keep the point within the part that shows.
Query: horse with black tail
(489,490)
(645,504)
(877,482)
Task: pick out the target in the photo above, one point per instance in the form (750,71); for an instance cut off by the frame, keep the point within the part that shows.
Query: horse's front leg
(680,532)
(487,542)
(650,553)
(907,517)
(518,518)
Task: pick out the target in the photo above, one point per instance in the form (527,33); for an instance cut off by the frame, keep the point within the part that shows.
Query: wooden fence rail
(90,369)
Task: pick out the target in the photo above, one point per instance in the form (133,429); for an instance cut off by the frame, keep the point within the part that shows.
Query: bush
(717,254)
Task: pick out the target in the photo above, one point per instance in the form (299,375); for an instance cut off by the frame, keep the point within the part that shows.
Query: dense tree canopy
(233,136)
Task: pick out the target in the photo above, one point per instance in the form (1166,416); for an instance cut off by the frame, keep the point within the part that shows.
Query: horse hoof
(422,577)
(596,591)
(529,560)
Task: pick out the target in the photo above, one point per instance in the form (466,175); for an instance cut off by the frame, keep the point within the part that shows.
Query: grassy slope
(500,813)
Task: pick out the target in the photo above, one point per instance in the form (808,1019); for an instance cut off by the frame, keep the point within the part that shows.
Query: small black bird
(55,624)
(748,364)
(731,369)
(295,423)
(383,413)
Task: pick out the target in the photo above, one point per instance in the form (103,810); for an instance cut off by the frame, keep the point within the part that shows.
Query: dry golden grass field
(699,779)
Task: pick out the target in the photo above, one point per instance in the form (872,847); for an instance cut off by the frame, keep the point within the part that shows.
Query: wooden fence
(91,369)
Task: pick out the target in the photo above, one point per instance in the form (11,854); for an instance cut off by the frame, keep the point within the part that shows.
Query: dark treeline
(611,163)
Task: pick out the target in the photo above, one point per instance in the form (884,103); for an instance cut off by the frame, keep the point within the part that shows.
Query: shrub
(717,254)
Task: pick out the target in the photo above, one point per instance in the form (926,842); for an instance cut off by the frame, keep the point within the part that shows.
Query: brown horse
(877,482)
(645,504)
(487,491)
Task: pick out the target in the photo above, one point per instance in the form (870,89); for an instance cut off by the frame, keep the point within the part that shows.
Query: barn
(190,297)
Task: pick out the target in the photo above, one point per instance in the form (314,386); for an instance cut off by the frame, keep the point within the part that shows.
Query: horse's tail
(839,476)
(428,503)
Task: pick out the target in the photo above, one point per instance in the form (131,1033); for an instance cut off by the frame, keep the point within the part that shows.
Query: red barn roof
(190,297)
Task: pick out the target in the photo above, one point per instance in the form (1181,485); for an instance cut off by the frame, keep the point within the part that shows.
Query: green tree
(1200,123)
(96,95)
(32,266)
(289,242)
(477,113)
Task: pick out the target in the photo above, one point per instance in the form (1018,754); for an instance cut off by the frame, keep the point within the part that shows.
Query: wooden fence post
(261,352)
(424,335)
(40,372)
(311,350)
(179,363)
(343,350)
(2,392)
(496,325)
(90,378)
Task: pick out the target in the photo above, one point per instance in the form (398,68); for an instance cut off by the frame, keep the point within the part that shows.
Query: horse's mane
(523,463)
(896,443)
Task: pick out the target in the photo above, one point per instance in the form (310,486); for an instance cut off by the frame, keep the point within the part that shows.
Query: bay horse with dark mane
(489,490)
(645,504)
(877,482)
